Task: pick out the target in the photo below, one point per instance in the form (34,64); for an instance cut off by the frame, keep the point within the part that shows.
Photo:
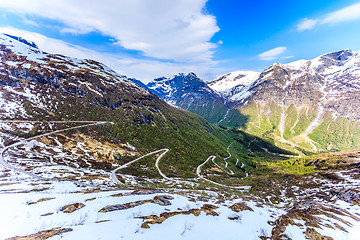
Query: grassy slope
(213,112)
(316,163)
(341,134)
(148,126)
(264,121)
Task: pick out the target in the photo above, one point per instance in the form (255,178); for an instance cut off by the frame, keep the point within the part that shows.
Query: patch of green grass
(341,134)
(297,166)
(291,114)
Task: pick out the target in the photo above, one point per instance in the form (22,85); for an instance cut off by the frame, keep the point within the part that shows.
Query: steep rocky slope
(307,104)
(59,185)
(36,85)
(191,93)
(312,104)
(229,84)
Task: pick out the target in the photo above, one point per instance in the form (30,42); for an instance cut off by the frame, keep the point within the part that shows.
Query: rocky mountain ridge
(37,86)
(191,93)
(304,100)
(229,84)
(62,178)
(287,103)
(26,67)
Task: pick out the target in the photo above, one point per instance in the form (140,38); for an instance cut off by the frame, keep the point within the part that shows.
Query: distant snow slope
(191,93)
(26,72)
(233,79)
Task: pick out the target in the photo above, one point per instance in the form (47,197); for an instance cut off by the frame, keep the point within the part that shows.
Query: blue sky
(151,38)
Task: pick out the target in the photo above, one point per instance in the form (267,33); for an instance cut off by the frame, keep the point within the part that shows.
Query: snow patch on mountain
(233,79)
(180,85)
(33,55)
(240,94)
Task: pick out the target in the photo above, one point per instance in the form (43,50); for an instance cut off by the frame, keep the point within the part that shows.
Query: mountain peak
(233,79)
(159,79)
(22,40)
(341,55)
(191,74)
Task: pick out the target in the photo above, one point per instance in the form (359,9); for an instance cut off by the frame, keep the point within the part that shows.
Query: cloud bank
(346,14)
(142,69)
(178,30)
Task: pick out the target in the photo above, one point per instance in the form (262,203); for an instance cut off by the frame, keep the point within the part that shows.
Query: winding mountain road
(113,173)
(7,165)
(229,172)
(212,157)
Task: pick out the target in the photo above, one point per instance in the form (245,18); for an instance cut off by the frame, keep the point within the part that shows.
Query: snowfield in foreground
(28,207)
(31,206)
(78,202)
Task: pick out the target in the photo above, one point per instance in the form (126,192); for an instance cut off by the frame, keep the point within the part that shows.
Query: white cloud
(142,69)
(178,29)
(346,14)
(349,13)
(307,24)
(272,54)
(30,22)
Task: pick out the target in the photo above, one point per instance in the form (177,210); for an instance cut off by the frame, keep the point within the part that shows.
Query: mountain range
(311,105)
(39,86)
(86,150)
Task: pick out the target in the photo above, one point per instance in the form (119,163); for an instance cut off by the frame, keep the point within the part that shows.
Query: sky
(146,39)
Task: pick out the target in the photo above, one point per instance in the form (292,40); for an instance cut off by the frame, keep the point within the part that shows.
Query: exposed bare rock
(47,214)
(43,234)
(111,208)
(72,207)
(311,233)
(209,209)
(153,219)
(143,192)
(162,200)
(90,199)
(40,200)
(239,207)
(309,212)
(117,195)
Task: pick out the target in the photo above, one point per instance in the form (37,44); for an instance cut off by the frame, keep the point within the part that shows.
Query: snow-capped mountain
(191,93)
(286,101)
(76,139)
(29,74)
(39,86)
(22,40)
(308,103)
(225,83)
(178,86)
(331,81)
(207,99)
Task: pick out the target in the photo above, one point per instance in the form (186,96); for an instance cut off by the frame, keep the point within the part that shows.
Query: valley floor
(83,203)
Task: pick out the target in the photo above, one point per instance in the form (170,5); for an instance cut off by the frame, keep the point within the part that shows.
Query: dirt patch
(102,151)
(311,233)
(6,184)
